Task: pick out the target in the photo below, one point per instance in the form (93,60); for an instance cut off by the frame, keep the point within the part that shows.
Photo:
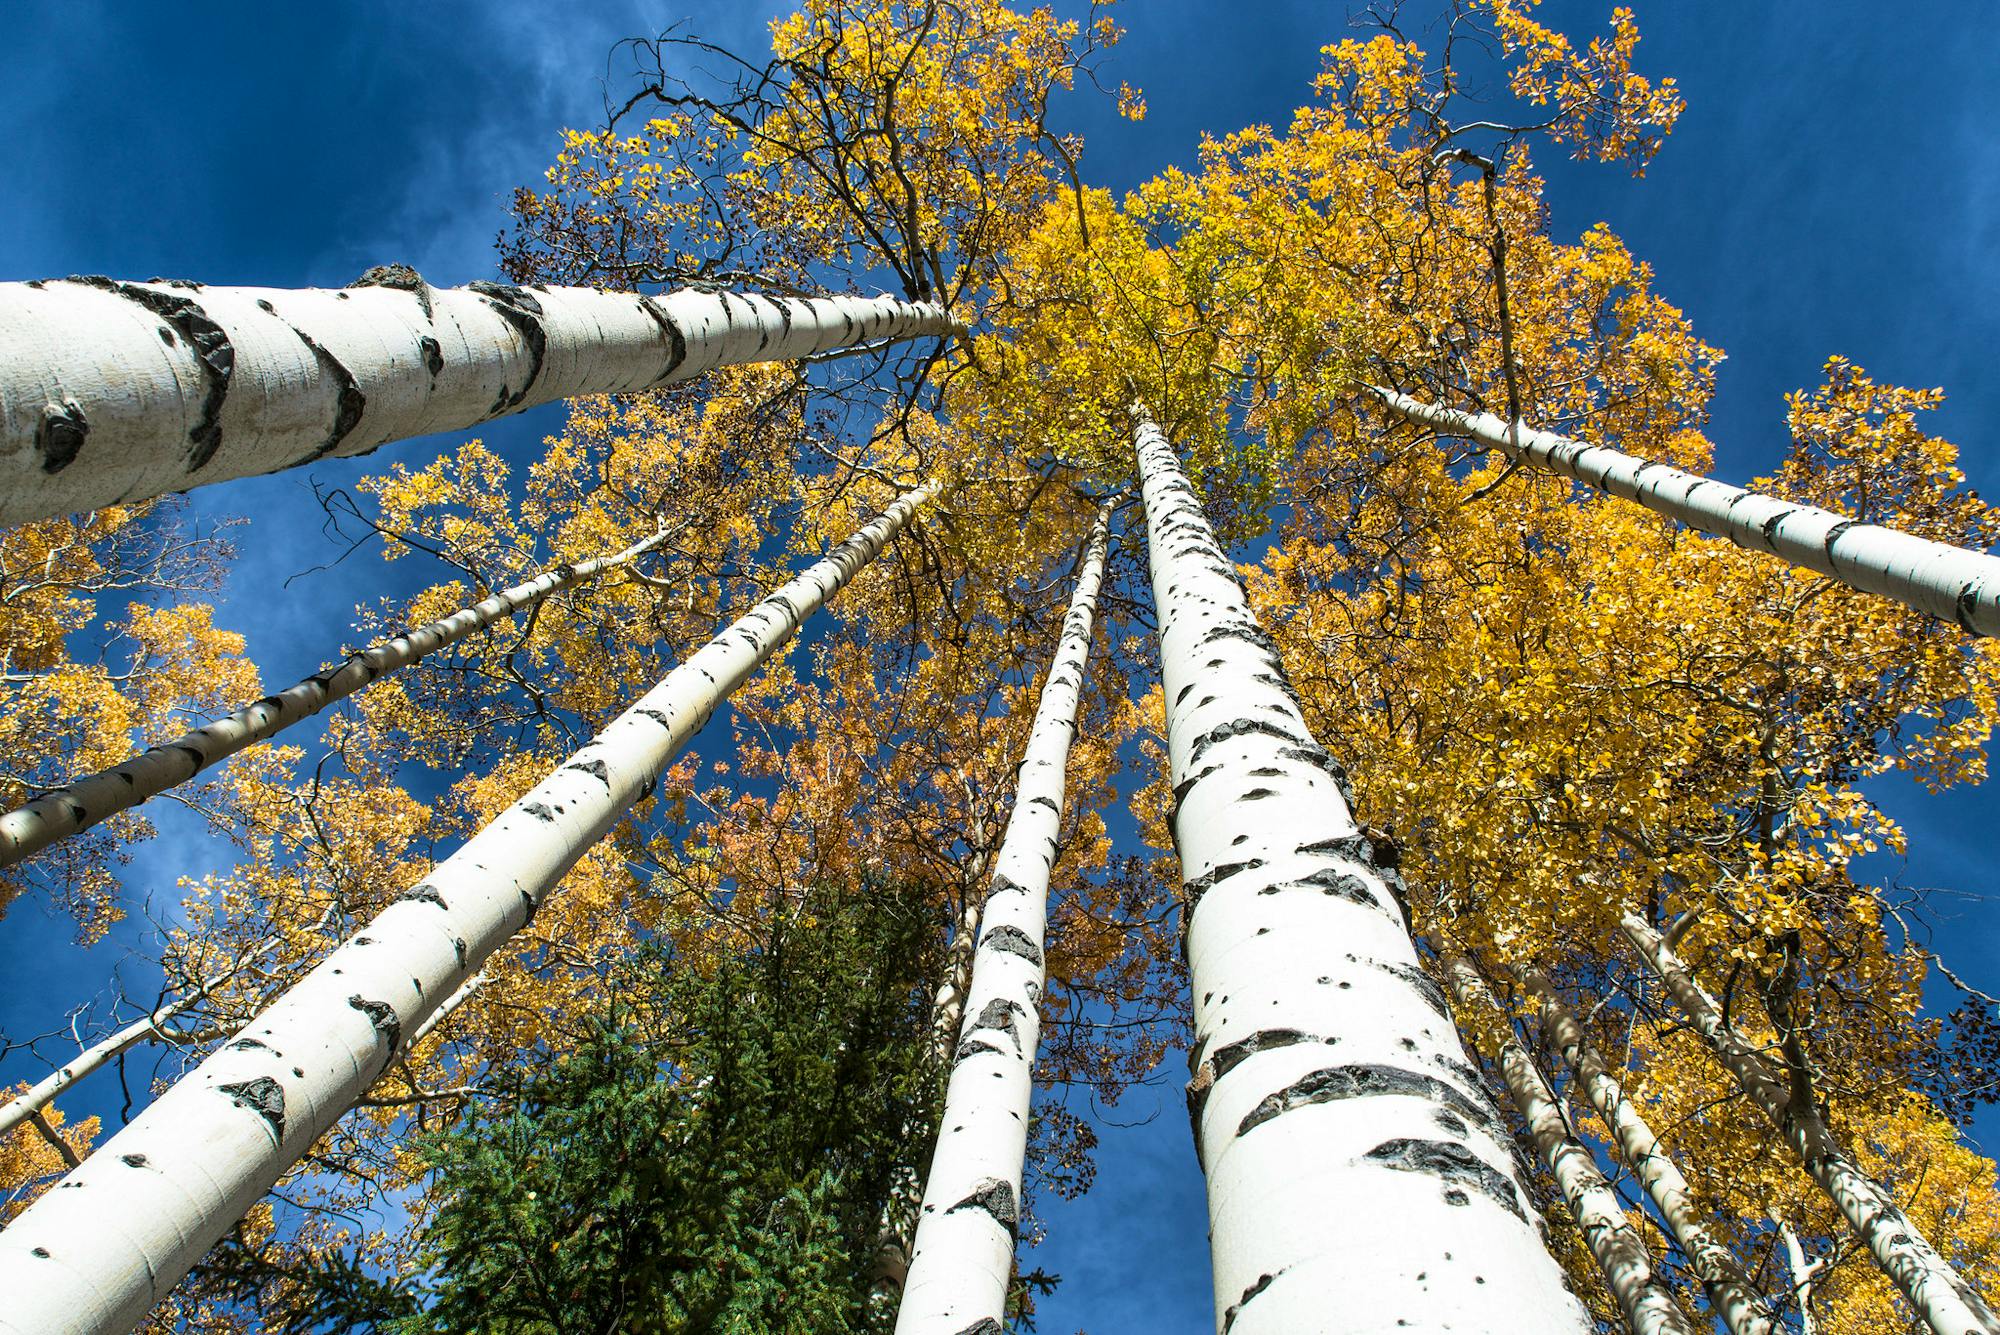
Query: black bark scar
(595,769)
(423,893)
(401,277)
(1368,1080)
(677,345)
(59,435)
(1263,1282)
(524,313)
(995,1198)
(1195,887)
(1014,941)
(1231,1055)
(349,402)
(383,1016)
(998,1014)
(212,350)
(1457,1166)
(1419,982)
(972,1047)
(263,1096)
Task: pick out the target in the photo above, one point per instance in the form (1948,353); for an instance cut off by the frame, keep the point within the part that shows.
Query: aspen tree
(1614,1244)
(1803,1272)
(962,1258)
(78,805)
(114,391)
(1358,1174)
(1940,1295)
(1730,1292)
(1946,582)
(99,1249)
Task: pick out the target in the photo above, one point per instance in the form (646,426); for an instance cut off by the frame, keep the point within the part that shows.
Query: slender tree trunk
(1803,1274)
(99,1249)
(1947,582)
(962,1260)
(114,391)
(1614,1244)
(1729,1289)
(1940,1295)
(1358,1175)
(54,815)
(948,1006)
(893,1243)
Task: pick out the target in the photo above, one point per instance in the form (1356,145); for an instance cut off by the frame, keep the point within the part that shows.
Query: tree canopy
(688,1093)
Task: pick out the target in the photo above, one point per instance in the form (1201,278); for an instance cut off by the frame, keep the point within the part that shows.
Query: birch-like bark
(962,1258)
(57,814)
(895,1239)
(1803,1274)
(1730,1293)
(113,391)
(115,1236)
(1359,1178)
(1946,582)
(1614,1244)
(1940,1295)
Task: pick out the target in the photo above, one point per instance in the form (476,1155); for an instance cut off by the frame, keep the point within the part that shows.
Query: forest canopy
(1164,659)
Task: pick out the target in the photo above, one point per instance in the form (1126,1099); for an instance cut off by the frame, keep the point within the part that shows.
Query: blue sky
(1833,188)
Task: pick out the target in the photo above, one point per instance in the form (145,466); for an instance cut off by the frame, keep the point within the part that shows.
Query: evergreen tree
(713,1156)
(717,1160)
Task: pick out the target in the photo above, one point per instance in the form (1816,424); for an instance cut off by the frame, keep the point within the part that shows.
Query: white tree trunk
(1614,1244)
(1939,1293)
(899,1212)
(105,1244)
(113,391)
(54,815)
(1803,1274)
(1947,582)
(962,1258)
(1359,1178)
(1730,1292)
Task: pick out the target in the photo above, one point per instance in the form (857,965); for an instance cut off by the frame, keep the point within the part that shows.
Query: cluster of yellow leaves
(1562,707)
(101,655)
(29,1162)
(1606,109)
(1737,1170)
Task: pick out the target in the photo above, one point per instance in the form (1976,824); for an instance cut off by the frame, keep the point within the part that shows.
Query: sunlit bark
(1730,1291)
(114,391)
(1359,1178)
(1614,1244)
(1947,582)
(962,1259)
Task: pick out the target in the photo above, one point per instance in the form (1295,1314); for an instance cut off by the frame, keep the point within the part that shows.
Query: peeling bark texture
(98,1250)
(113,391)
(1940,1295)
(1614,1244)
(1950,583)
(962,1259)
(61,812)
(1730,1292)
(1346,1209)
